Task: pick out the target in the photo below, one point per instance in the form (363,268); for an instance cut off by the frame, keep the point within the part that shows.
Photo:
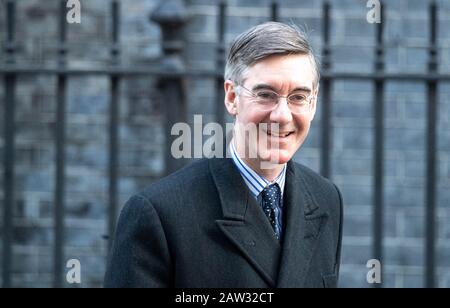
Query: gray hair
(262,41)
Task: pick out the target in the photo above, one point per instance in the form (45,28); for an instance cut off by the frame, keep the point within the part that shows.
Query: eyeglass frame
(308,99)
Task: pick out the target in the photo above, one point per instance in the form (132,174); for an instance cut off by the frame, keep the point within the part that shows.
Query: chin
(284,156)
(277,156)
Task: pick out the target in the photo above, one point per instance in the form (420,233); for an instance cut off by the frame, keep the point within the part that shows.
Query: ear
(314,102)
(230,97)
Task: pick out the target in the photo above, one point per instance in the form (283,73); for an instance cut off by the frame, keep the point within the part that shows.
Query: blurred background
(86,110)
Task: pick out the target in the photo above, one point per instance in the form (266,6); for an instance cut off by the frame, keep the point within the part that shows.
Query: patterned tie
(271,201)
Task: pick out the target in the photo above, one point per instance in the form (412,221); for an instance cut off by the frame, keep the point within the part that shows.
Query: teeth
(278,135)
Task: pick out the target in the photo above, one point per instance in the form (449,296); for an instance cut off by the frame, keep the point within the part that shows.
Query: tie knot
(271,194)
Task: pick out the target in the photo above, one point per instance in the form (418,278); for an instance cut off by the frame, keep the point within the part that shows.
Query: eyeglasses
(298,102)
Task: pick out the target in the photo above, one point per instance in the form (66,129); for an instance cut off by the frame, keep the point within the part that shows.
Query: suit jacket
(200,227)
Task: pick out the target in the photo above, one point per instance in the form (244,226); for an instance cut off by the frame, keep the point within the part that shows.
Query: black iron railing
(172,15)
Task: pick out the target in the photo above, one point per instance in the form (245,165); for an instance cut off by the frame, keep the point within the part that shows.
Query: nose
(281,114)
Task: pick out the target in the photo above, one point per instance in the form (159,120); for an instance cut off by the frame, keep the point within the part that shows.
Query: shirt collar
(255,182)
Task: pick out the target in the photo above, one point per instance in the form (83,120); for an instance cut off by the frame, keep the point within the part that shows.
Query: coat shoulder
(311,176)
(173,189)
(320,188)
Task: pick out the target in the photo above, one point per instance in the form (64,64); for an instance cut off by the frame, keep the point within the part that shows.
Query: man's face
(283,74)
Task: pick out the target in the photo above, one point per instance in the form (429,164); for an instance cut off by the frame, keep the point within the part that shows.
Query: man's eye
(266,95)
(297,98)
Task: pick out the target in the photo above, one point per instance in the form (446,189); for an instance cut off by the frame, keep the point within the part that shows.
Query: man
(256,220)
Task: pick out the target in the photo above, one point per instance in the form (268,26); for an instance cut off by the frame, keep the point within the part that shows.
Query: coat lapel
(244,222)
(303,224)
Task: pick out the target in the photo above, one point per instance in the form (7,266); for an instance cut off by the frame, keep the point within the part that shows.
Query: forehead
(282,71)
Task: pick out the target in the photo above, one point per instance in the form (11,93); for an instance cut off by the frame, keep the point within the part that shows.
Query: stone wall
(142,135)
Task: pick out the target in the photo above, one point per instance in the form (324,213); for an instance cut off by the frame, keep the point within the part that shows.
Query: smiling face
(283,74)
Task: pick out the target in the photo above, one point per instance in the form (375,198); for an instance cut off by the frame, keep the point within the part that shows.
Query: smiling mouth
(280,134)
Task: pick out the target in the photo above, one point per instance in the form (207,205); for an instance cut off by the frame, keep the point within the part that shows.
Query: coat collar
(246,226)
(244,223)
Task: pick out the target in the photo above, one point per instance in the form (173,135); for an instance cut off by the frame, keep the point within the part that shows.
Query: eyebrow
(263,86)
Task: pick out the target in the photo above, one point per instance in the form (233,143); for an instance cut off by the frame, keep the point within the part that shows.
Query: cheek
(247,114)
(302,122)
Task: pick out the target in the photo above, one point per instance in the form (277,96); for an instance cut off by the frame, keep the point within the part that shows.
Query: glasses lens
(298,102)
(268,100)
(266,96)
